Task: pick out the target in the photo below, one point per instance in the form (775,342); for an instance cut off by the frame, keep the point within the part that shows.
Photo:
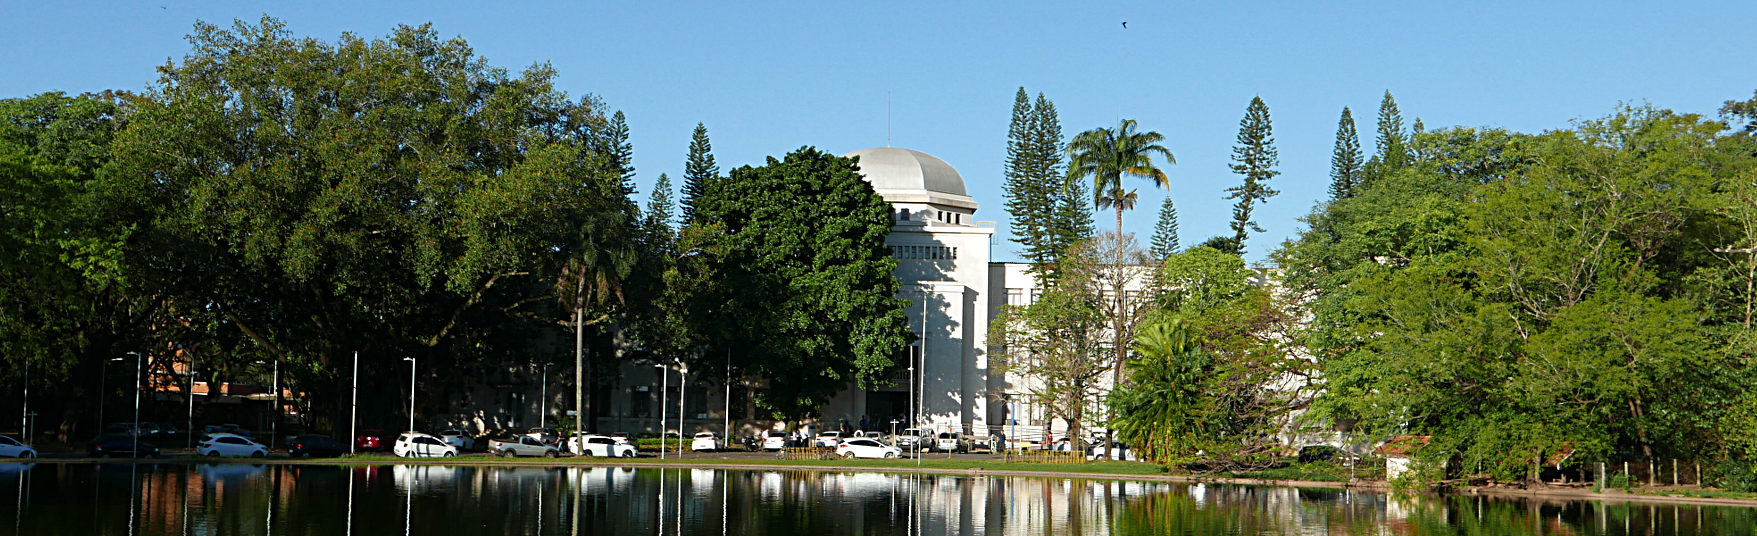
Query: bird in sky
(1125,25)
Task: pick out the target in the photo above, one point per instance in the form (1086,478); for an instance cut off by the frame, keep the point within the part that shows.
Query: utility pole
(543,398)
(664,391)
(579,361)
(274,423)
(728,415)
(412,365)
(682,392)
(191,395)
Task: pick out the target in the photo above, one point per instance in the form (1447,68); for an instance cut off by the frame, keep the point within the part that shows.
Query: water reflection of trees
(246,499)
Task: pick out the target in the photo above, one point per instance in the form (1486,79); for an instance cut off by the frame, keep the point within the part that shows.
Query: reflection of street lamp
(412,365)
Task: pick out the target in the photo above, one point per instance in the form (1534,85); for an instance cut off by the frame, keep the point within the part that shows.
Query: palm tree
(1107,155)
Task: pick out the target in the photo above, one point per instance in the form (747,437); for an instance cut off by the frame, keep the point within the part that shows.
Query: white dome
(903,170)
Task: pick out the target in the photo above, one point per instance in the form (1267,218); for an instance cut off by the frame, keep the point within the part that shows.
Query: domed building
(942,257)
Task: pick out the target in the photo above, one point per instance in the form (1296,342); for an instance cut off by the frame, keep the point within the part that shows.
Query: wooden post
(1674,471)
(1600,476)
(1651,481)
(1698,474)
(1625,470)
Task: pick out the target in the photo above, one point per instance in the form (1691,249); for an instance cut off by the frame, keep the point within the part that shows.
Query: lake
(242,499)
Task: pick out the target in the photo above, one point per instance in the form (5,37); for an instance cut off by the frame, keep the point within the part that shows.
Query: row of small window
(941,215)
(925,252)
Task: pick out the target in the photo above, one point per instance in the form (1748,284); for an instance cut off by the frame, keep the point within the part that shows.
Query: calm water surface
(236,499)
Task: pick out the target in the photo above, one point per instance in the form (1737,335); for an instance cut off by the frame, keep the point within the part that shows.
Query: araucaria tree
(1345,158)
(806,277)
(1165,232)
(1392,153)
(1047,216)
(1107,155)
(698,169)
(1255,159)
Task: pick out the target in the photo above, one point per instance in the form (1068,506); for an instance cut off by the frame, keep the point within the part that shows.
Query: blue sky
(770,78)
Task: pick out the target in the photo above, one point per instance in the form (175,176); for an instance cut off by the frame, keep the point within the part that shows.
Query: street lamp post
(682,393)
(274,417)
(543,399)
(103,383)
(139,361)
(664,404)
(412,365)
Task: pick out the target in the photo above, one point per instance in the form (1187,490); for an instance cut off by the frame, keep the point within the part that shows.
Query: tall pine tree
(698,169)
(1393,145)
(1254,158)
(1415,146)
(1345,159)
(656,222)
(1165,232)
(1046,218)
(620,152)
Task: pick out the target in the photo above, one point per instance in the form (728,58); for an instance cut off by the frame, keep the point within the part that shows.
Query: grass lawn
(1322,471)
(1697,493)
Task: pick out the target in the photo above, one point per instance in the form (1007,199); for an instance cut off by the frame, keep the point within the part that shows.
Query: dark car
(108,446)
(313,446)
(370,439)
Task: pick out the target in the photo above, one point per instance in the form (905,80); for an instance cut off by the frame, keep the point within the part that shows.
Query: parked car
(597,445)
(774,440)
(521,446)
(370,439)
(910,438)
(705,441)
(827,439)
(230,446)
(315,446)
(117,445)
(1115,451)
(547,435)
(459,439)
(861,447)
(13,448)
(419,445)
(620,437)
(951,442)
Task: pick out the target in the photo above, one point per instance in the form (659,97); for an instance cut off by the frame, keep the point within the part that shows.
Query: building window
(904,215)
(1016,296)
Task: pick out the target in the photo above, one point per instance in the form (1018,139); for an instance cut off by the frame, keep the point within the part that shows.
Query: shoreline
(1578,494)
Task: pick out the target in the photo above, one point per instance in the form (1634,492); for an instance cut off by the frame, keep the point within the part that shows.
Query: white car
(419,445)
(774,440)
(866,448)
(13,448)
(910,438)
(828,439)
(597,445)
(459,439)
(705,441)
(230,446)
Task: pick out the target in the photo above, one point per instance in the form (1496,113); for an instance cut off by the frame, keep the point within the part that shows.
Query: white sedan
(597,445)
(459,439)
(828,439)
(13,448)
(774,440)
(705,441)
(866,448)
(230,446)
(419,445)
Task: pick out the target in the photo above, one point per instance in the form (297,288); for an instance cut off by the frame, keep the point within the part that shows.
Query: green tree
(1047,216)
(619,151)
(429,210)
(1742,110)
(656,221)
(1255,159)
(1107,155)
(806,277)
(1345,159)
(1392,153)
(1165,232)
(698,169)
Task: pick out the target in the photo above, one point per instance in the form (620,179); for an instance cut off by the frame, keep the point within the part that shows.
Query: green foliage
(1345,158)
(1255,159)
(1738,475)
(698,169)
(1165,231)
(1518,296)
(396,196)
(1048,212)
(1107,155)
(806,277)
(1393,144)
(1742,111)
(656,222)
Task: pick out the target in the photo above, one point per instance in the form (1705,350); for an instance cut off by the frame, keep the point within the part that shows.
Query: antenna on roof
(887,118)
